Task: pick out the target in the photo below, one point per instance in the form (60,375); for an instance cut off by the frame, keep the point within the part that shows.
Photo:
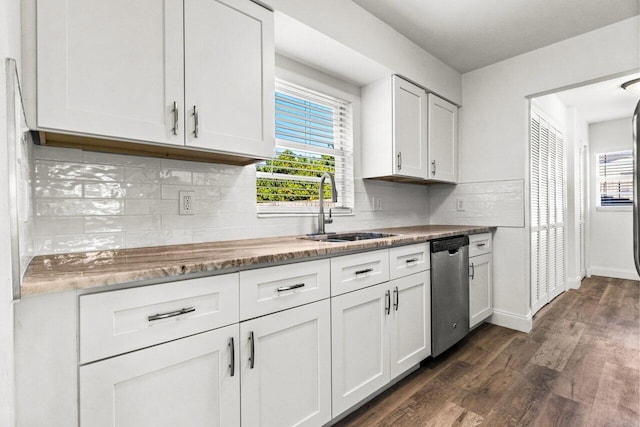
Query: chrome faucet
(334,198)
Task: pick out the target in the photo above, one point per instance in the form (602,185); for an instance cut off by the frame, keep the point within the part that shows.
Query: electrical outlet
(460,204)
(377,203)
(187,202)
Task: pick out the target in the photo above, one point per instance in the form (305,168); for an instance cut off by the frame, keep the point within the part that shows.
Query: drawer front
(352,272)
(120,321)
(271,289)
(406,260)
(479,244)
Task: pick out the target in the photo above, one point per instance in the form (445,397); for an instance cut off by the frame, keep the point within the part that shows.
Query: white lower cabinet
(360,345)
(410,332)
(480,278)
(193,380)
(480,289)
(377,334)
(286,367)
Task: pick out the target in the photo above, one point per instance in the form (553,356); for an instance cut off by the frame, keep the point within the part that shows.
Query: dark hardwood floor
(580,366)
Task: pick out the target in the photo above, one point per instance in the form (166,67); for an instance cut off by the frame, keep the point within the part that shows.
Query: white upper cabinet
(229,65)
(409,129)
(408,134)
(195,74)
(102,73)
(443,140)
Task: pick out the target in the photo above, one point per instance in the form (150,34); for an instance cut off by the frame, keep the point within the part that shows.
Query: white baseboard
(511,320)
(618,273)
(574,283)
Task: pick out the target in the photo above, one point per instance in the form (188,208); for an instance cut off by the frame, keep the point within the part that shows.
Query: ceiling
(470,34)
(602,101)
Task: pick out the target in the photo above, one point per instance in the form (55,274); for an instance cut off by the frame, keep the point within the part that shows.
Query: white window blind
(615,171)
(548,204)
(314,135)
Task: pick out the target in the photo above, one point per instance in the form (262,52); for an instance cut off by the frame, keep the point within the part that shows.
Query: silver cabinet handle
(232,366)
(175,118)
(396,297)
(365,271)
(180,312)
(481,245)
(409,261)
(252,354)
(387,302)
(399,160)
(473,271)
(290,287)
(433,167)
(195,121)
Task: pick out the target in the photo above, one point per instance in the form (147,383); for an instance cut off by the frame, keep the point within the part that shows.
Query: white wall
(349,24)
(611,231)
(9,47)
(578,137)
(494,132)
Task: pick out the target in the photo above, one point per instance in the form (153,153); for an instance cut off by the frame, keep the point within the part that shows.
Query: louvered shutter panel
(547,190)
(534,183)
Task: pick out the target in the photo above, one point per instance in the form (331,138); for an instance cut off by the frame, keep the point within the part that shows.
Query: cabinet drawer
(406,260)
(120,321)
(271,289)
(479,244)
(352,272)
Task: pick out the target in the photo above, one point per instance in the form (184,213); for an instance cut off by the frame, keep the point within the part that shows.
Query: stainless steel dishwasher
(449,292)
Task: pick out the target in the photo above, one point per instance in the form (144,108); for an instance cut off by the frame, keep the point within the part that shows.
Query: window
(615,171)
(313,136)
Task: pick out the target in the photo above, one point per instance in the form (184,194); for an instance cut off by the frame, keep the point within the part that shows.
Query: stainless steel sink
(346,237)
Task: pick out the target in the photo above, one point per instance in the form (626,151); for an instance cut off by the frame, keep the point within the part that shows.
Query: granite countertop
(59,272)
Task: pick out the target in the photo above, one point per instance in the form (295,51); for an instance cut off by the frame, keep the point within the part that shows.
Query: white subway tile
(184,222)
(120,159)
(201,193)
(55,188)
(150,207)
(103,224)
(157,238)
(42,152)
(121,190)
(78,207)
(78,243)
(52,225)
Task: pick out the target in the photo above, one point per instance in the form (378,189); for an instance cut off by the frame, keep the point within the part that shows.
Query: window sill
(614,208)
(303,214)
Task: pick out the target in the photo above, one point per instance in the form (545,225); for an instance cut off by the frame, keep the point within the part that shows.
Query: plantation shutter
(616,178)
(548,195)
(313,135)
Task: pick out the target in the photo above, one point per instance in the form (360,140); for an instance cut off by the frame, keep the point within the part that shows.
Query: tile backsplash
(91,201)
(490,203)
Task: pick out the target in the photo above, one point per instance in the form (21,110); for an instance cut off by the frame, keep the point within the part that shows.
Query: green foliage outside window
(288,162)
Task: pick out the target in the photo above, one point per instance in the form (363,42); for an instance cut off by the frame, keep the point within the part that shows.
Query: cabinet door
(101,72)
(229,87)
(480,289)
(289,382)
(410,327)
(184,381)
(409,129)
(443,140)
(360,345)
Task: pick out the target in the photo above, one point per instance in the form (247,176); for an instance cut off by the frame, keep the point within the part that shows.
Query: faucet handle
(330,219)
